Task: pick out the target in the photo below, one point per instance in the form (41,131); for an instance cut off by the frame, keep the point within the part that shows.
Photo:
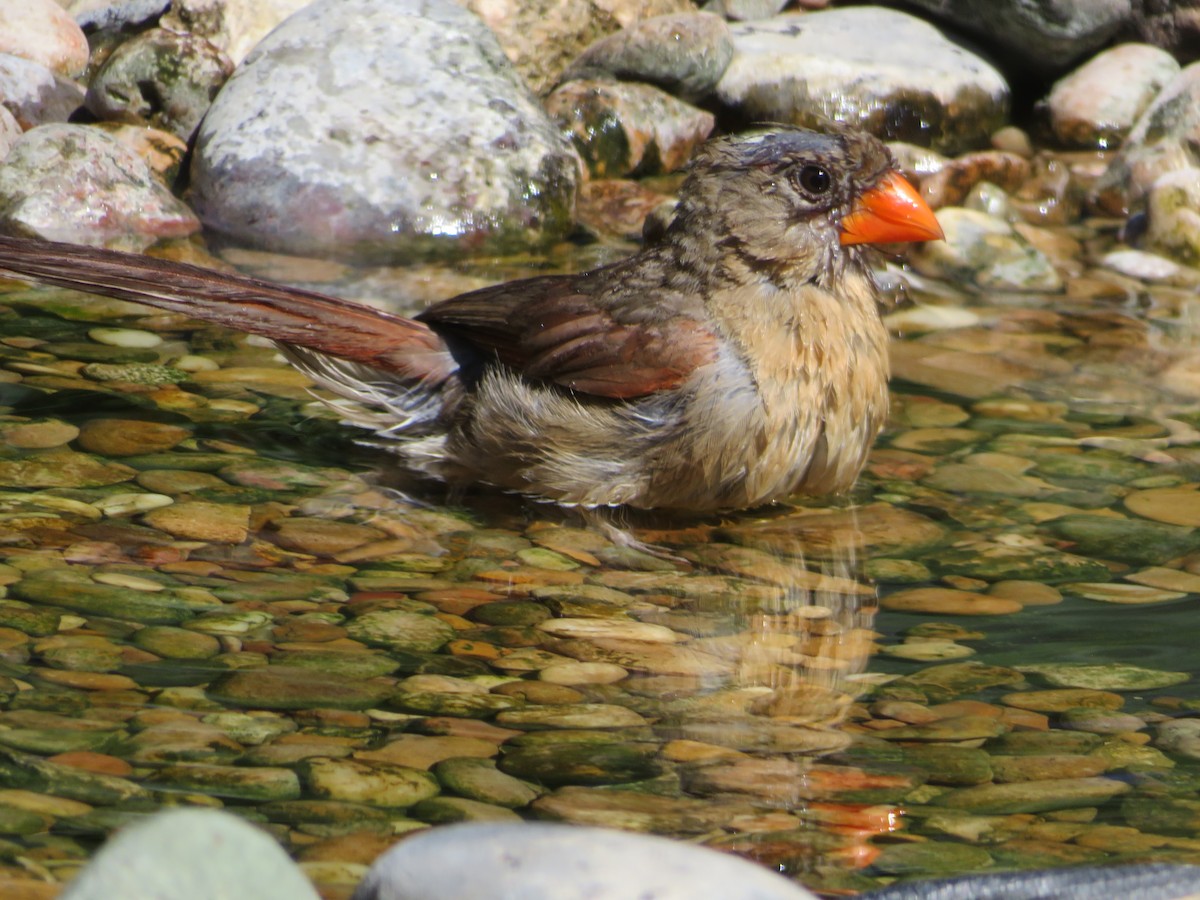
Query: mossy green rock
(32,773)
(957,766)
(1132,541)
(930,858)
(479,779)
(289,687)
(175,643)
(62,469)
(579,763)
(254,783)
(65,589)
(444,810)
(1105,676)
(352,665)
(399,630)
(371,783)
(30,620)
(1034,796)
(458,705)
(1001,562)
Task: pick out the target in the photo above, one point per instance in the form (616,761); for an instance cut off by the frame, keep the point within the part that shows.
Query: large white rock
(874,68)
(386,130)
(541,861)
(190,854)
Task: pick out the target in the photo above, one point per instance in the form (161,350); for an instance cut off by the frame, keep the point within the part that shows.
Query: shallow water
(755,702)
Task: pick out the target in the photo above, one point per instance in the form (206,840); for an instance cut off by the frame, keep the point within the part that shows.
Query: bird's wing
(556,329)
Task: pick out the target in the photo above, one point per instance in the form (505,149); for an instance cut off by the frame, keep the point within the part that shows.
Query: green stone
(344,663)
(579,763)
(957,766)
(31,773)
(68,590)
(930,858)
(399,630)
(444,810)
(250,783)
(1002,562)
(286,687)
(1034,796)
(458,705)
(479,779)
(1133,541)
(1105,676)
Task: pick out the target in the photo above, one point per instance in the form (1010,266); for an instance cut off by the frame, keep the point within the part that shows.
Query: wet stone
(1105,677)
(72,592)
(37,434)
(579,763)
(1034,796)
(372,784)
(1004,562)
(1124,594)
(129,437)
(282,687)
(399,630)
(582,715)
(60,468)
(931,859)
(175,643)
(1060,700)
(1100,721)
(1132,541)
(258,783)
(339,663)
(457,705)
(199,520)
(947,601)
(445,810)
(632,811)
(479,779)
(955,766)
(1043,767)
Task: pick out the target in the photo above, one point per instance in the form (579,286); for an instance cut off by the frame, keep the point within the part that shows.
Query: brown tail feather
(289,315)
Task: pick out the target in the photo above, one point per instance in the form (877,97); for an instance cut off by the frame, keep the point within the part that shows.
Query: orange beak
(890,212)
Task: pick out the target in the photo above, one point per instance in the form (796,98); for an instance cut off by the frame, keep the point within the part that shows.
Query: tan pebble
(87,681)
(620,629)
(1058,700)
(1125,594)
(1167,579)
(1173,505)
(1027,593)
(947,601)
(122,579)
(226,523)
(37,435)
(129,437)
(583,673)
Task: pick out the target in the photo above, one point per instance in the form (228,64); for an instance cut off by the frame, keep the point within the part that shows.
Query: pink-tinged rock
(42,31)
(34,94)
(74,183)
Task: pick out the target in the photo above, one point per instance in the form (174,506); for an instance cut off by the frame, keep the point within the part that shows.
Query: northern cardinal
(739,359)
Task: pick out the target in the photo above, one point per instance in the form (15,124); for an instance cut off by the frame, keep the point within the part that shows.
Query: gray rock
(622,128)
(10,132)
(1132,882)
(1165,138)
(841,65)
(190,854)
(1046,35)
(538,861)
(1098,103)
(131,14)
(161,78)
(76,184)
(740,10)
(385,130)
(35,95)
(684,54)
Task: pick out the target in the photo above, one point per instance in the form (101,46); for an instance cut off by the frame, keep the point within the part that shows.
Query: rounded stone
(537,859)
(129,437)
(386,130)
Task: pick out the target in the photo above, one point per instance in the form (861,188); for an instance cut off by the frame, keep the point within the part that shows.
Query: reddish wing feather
(550,329)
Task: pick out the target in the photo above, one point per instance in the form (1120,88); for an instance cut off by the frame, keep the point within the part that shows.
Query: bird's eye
(815,179)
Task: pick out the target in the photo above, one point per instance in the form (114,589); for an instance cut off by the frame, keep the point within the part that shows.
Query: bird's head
(806,200)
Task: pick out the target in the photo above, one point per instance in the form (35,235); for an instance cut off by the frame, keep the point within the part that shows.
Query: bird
(738,359)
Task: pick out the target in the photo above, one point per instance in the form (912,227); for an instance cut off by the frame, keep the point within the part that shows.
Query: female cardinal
(738,360)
